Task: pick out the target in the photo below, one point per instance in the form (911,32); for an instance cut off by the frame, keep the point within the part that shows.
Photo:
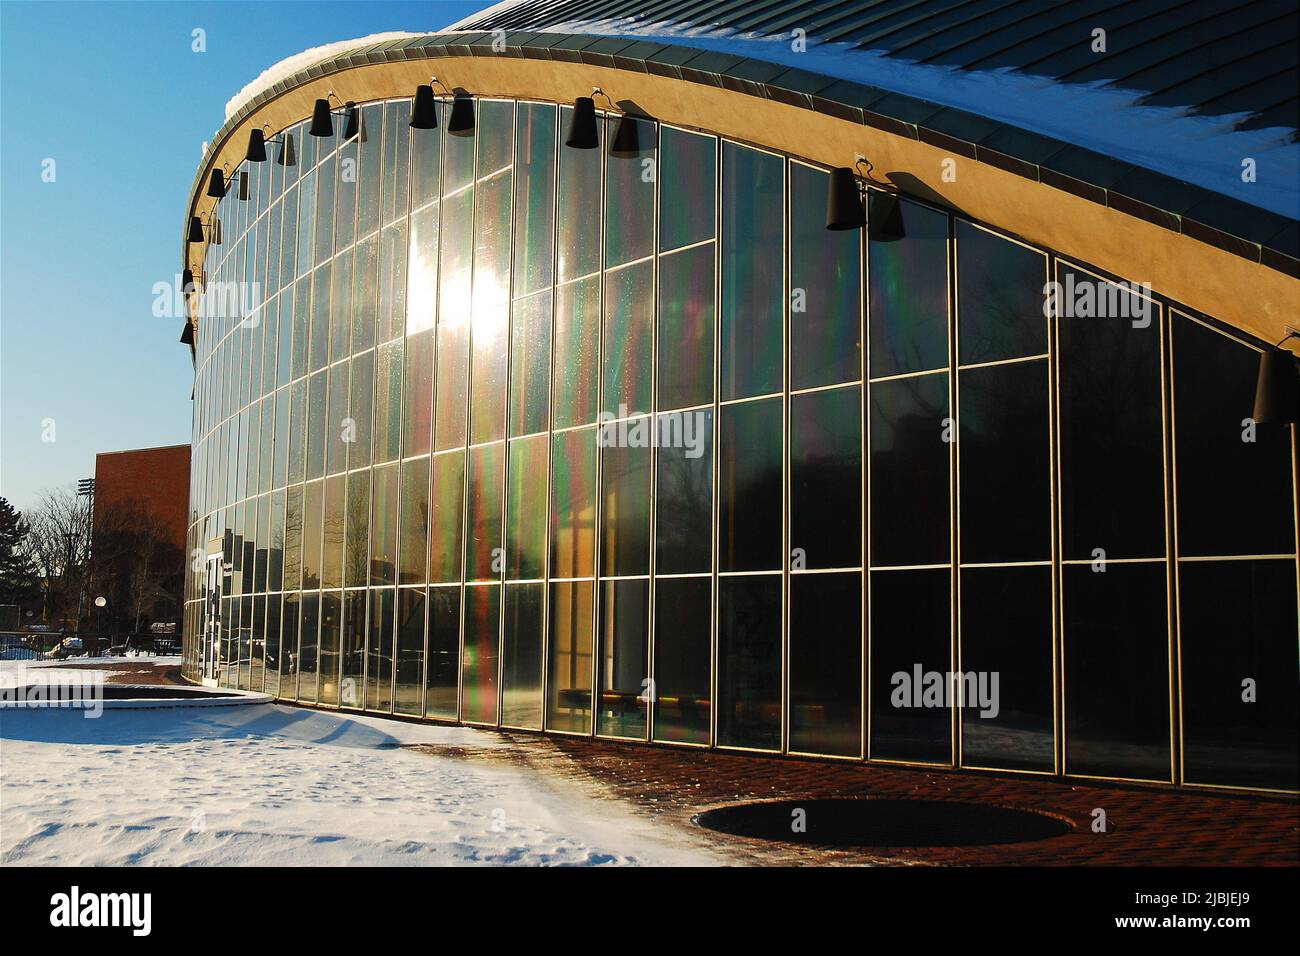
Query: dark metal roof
(1213,57)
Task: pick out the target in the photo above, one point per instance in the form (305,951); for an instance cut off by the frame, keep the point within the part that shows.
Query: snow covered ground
(272,785)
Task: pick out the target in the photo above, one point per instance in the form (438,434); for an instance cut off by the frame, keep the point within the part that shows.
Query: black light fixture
(885,224)
(195,233)
(187,334)
(582,126)
(321,124)
(424,109)
(256,147)
(351,121)
(1277,391)
(627,137)
(844,201)
(187,280)
(287,157)
(217,184)
(461,122)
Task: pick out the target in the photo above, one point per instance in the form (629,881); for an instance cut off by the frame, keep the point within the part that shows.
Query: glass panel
(391,307)
(345,200)
(911,654)
(301,326)
(479,668)
(483,541)
(625,478)
(825,288)
(338,430)
(422,270)
(353,649)
(332,543)
(388,401)
(1005,472)
(749,662)
(577,344)
(568,703)
(1237,623)
(379,651)
(910,467)
(1006,664)
(426,163)
(629,192)
(686,328)
(578,208)
(624,651)
(313,511)
(684,514)
(360,410)
(521,652)
(444,652)
(317,422)
(326,176)
(1000,297)
(365,294)
(415,520)
(1116,663)
(331,610)
(453,315)
(534,197)
(530,365)
(496,134)
(273,655)
(357,553)
(909,295)
(826,664)
(409,667)
(293,539)
(687,200)
(573,504)
(397,116)
(826,479)
(1111,411)
(371,173)
(418,397)
(682,690)
(445,519)
(526,509)
(627,340)
(749,487)
(289,643)
(490,309)
(1221,462)
(308,645)
(383,526)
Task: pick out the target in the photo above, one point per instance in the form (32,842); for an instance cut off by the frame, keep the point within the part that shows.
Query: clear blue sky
(113,93)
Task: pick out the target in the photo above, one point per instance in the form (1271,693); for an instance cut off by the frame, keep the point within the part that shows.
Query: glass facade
(626,443)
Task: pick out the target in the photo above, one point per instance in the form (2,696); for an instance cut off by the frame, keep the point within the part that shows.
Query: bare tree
(58,544)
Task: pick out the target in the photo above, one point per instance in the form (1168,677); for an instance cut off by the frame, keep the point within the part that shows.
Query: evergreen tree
(18,583)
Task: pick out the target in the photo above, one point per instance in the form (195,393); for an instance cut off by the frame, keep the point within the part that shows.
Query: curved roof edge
(1255,234)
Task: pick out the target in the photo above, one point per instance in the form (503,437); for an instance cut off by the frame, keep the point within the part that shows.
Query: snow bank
(274,785)
(300,61)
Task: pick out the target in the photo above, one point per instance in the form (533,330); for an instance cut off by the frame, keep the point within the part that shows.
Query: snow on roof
(1204,150)
(300,61)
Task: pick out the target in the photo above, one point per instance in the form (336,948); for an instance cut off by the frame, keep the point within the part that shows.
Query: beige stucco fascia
(1248,295)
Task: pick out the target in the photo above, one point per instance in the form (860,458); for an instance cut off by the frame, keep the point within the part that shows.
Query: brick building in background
(155,480)
(138,539)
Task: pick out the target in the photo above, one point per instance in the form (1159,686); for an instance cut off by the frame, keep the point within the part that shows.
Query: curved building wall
(625,442)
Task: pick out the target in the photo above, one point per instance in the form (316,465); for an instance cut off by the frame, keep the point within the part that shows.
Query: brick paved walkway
(1146,826)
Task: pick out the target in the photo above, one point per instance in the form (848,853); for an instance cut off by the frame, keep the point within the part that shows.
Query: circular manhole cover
(882,823)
